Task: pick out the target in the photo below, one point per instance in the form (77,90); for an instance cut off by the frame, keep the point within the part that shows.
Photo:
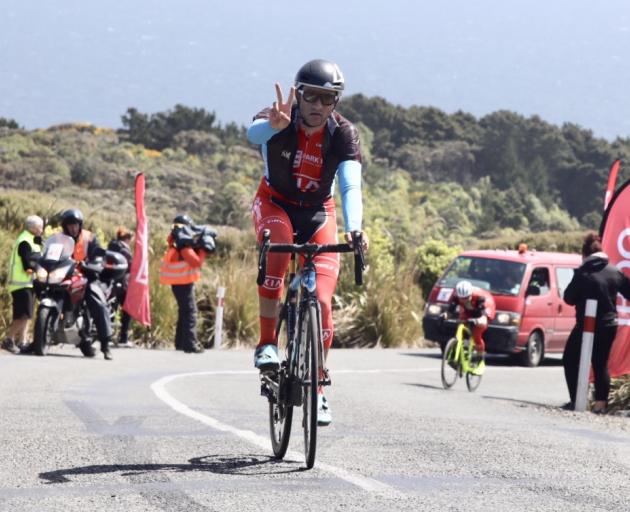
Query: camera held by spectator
(191,235)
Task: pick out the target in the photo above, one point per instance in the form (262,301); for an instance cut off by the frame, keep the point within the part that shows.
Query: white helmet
(464,289)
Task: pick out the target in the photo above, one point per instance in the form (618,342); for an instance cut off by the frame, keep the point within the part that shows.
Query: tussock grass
(619,398)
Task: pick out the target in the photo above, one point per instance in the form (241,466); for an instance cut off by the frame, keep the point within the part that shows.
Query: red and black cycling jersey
(307,177)
(480,303)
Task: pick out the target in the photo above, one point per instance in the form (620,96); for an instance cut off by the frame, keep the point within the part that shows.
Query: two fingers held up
(280,113)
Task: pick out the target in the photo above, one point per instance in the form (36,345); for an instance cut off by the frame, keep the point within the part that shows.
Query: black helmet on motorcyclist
(184,219)
(71,216)
(320,74)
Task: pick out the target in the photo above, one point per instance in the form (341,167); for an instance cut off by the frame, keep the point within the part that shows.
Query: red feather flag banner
(612,181)
(615,233)
(137,302)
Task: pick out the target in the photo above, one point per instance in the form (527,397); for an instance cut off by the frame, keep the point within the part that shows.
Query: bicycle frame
(463,356)
(301,292)
(457,359)
(302,371)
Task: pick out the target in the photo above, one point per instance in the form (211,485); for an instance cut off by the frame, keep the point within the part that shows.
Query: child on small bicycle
(477,306)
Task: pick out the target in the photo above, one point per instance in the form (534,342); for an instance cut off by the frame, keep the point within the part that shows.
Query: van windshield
(497,276)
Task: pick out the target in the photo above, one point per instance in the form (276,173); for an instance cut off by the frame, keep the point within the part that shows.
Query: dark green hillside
(433,182)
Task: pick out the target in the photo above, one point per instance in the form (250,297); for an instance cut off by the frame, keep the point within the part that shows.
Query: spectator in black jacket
(122,245)
(594,279)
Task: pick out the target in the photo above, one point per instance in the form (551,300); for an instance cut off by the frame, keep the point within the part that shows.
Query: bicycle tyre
(472,380)
(281,412)
(280,420)
(450,365)
(311,335)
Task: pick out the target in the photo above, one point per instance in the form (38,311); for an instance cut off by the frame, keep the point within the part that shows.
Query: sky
(76,60)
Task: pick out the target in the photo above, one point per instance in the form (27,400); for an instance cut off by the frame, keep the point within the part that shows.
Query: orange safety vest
(174,269)
(81,245)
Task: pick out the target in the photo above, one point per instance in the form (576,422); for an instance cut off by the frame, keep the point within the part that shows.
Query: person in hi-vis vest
(22,262)
(181,269)
(86,248)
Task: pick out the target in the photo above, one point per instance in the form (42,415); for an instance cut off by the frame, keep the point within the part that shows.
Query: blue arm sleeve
(350,188)
(260,131)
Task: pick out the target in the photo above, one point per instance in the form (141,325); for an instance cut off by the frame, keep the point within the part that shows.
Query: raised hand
(280,114)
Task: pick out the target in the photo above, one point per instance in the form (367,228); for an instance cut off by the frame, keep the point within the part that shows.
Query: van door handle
(549,303)
(559,308)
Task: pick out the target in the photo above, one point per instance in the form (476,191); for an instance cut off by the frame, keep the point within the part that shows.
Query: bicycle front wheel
(450,364)
(475,369)
(309,366)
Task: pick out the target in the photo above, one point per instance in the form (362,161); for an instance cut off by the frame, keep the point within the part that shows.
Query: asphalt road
(168,431)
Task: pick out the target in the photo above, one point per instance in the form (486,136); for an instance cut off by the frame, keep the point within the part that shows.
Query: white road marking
(159,388)
(368,484)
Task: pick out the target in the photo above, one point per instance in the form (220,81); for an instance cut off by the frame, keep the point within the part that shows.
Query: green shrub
(432,257)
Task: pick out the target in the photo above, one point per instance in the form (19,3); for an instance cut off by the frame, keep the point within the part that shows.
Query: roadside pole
(581,397)
(218,319)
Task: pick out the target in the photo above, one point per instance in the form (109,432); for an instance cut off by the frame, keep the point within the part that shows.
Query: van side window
(563,276)
(539,283)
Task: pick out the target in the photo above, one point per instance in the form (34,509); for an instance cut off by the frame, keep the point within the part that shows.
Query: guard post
(218,319)
(588,334)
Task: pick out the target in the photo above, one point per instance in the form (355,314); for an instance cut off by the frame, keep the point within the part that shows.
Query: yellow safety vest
(18,277)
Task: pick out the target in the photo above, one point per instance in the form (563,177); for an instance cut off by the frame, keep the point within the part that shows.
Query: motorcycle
(60,284)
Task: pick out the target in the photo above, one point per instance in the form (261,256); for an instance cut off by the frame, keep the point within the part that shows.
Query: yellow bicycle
(461,358)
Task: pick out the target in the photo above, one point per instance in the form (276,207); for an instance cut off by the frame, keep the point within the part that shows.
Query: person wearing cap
(306,146)
(122,244)
(22,262)
(181,269)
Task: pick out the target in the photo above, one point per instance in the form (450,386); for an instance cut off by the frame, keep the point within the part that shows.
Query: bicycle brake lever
(359,257)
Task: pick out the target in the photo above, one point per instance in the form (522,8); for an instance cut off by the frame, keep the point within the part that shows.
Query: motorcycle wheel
(86,344)
(86,349)
(43,330)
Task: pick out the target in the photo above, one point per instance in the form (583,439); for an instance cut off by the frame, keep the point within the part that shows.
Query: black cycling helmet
(182,218)
(71,216)
(320,74)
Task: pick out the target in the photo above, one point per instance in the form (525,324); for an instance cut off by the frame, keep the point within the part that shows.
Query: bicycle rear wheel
(281,407)
(473,379)
(309,366)
(450,364)
(280,419)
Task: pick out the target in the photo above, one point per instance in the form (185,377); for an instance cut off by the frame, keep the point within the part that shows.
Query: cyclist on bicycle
(305,145)
(475,305)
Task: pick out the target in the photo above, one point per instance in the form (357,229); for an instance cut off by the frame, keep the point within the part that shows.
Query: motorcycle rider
(86,248)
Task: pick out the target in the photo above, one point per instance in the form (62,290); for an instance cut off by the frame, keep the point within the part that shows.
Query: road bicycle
(301,372)
(460,357)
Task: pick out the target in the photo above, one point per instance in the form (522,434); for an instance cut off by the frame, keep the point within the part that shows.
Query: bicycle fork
(324,376)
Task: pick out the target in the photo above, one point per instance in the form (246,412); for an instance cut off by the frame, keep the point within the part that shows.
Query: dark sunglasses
(326,99)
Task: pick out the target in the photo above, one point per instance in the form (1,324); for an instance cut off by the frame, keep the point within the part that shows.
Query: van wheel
(534,350)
